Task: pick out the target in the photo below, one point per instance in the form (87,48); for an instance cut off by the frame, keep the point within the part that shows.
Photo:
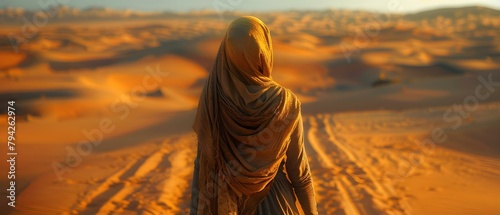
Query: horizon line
(259,11)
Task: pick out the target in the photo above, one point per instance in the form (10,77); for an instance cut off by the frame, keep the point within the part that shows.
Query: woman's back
(249,131)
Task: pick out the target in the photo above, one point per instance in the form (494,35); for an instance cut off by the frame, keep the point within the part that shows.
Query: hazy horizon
(402,6)
(399,110)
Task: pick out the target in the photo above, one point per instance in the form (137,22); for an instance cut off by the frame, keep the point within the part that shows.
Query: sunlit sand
(129,85)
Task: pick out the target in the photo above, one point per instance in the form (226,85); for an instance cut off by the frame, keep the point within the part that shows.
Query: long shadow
(178,47)
(177,124)
(23,96)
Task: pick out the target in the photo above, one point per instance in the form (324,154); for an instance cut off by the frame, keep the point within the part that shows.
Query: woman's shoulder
(291,99)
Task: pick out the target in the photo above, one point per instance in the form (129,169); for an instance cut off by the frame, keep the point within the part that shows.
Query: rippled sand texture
(401,111)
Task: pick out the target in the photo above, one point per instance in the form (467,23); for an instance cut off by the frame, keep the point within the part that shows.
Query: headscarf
(243,123)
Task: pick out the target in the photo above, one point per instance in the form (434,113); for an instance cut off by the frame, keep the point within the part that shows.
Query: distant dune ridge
(11,15)
(401,111)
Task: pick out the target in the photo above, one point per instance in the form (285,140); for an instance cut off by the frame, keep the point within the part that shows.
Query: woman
(249,132)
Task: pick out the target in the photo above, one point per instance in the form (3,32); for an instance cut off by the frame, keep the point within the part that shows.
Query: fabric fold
(243,123)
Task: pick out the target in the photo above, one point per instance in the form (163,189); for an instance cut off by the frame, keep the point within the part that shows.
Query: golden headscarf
(243,123)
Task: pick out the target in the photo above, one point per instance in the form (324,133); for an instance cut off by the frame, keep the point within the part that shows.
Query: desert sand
(399,116)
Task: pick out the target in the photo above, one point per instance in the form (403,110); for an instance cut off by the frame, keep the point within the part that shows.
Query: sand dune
(370,97)
(361,164)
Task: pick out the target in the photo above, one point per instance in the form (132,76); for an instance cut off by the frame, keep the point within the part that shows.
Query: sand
(399,116)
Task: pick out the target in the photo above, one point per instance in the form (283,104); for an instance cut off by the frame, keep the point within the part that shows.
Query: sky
(256,5)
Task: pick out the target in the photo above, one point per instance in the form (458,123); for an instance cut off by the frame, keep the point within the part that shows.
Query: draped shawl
(243,123)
